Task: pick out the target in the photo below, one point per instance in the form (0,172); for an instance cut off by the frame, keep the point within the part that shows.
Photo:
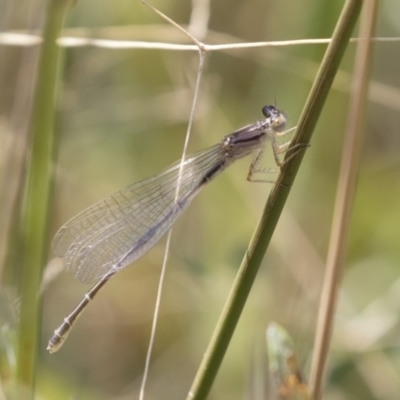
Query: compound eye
(268,110)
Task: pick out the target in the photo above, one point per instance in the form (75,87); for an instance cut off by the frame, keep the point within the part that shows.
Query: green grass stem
(276,201)
(33,228)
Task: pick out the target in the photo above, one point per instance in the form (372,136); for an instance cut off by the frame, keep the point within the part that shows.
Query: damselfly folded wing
(119,229)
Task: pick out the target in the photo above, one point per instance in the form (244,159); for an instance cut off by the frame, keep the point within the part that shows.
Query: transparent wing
(119,229)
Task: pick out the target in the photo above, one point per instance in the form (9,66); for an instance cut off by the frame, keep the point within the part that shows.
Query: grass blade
(345,194)
(262,236)
(33,228)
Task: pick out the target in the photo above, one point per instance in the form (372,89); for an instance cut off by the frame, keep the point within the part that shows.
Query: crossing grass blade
(252,259)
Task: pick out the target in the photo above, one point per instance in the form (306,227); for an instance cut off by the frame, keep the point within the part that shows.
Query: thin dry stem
(344,198)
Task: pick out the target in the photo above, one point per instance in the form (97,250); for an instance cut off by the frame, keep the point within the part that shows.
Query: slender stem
(344,199)
(262,236)
(36,197)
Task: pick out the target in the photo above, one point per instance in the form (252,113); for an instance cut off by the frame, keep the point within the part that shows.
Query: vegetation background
(122,116)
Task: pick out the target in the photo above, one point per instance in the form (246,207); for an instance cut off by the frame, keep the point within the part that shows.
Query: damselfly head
(276,117)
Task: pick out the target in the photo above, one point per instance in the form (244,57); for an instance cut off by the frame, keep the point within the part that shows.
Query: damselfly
(113,233)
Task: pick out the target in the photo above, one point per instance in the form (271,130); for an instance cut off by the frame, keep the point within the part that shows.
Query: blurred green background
(122,117)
